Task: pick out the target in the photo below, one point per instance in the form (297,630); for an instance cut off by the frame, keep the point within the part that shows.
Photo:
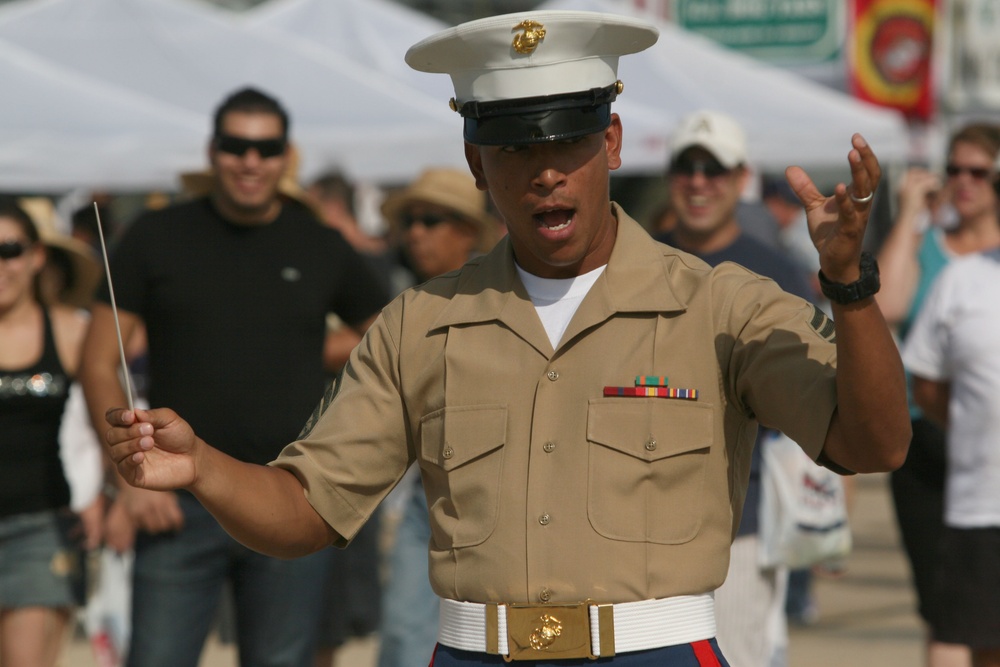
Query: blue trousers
(409,625)
(685,655)
(178,579)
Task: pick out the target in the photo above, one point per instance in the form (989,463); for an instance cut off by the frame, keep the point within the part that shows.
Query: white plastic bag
(108,612)
(803,512)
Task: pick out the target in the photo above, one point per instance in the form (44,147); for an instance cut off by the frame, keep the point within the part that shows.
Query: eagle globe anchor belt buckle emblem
(554,632)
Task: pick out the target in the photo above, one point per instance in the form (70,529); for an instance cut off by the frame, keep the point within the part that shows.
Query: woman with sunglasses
(939,218)
(41,573)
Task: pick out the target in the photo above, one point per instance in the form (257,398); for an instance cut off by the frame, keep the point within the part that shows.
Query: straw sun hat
(453,189)
(84,269)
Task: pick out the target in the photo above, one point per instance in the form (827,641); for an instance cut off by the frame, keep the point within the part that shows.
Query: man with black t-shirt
(233,290)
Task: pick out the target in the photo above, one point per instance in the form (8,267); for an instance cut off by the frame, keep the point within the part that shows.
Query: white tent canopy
(788,119)
(374,32)
(59,130)
(119,93)
(185,56)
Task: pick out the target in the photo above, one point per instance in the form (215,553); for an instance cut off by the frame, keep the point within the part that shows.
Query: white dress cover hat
(537,76)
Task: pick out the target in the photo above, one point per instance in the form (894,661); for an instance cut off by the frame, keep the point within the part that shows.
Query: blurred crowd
(239,299)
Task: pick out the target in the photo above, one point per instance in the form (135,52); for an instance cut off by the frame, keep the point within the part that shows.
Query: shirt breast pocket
(461,450)
(648,468)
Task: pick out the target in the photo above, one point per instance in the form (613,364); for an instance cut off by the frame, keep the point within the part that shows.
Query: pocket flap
(453,436)
(650,428)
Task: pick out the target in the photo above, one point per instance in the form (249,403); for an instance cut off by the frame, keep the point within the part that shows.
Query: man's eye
(512,148)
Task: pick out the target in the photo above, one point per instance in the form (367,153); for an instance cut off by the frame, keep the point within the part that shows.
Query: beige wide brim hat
(83,261)
(453,189)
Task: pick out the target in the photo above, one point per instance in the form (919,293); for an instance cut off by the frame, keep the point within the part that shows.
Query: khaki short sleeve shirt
(540,487)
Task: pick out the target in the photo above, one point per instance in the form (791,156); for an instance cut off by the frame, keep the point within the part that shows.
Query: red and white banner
(891,47)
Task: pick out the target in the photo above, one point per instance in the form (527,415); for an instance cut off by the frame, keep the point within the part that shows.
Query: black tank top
(32,400)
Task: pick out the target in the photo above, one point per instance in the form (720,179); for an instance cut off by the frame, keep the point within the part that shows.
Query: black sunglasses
(428,220)
(239,146)
(978,173)
(708,168)
(13,249)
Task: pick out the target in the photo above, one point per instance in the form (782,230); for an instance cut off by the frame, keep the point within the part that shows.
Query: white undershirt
(556,299)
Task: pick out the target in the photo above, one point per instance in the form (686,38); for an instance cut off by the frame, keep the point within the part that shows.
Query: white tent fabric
(185,56)
(788,119)
(378,32)
(59,130)
(374,32)
(119,93)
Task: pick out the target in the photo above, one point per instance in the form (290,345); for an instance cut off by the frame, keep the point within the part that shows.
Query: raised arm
(262,507)
(870,431)
(897,258)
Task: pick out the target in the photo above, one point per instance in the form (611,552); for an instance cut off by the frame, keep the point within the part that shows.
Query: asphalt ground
(866,615)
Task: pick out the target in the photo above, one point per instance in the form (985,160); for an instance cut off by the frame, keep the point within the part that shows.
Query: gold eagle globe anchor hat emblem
(532,77)
(526,42)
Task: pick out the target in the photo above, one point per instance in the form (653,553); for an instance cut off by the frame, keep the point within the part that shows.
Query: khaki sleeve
(783,362)
(356,450)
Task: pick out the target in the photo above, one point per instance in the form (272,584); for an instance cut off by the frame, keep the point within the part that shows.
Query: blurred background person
(443,220)
(233,290)
(353,589)
(954,359)
(793,231)
(940,217)
(333,197)
(705,177)
(41,540)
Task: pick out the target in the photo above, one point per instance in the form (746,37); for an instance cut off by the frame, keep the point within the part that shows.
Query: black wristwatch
(862,288)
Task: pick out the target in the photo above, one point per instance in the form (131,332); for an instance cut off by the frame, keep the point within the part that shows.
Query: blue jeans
(177,584)
(409,626)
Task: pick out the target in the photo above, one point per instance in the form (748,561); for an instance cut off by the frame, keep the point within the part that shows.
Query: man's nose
(550,177)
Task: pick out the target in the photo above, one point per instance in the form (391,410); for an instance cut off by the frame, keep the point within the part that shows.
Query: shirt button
(552,375)
(448,452)
(651,444)
(549,447)
(545,595)
(544,519)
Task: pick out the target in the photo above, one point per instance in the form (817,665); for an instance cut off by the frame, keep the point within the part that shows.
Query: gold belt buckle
(549,632)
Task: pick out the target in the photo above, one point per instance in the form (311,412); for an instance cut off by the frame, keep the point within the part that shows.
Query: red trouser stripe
(433,655)
(704,654)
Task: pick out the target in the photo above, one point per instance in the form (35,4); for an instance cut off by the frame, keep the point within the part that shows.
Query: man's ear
(475,160)
(613,142)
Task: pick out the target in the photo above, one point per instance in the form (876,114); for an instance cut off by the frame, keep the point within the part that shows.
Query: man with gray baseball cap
(581,401)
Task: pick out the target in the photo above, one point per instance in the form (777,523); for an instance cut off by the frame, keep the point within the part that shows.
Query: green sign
(792,30)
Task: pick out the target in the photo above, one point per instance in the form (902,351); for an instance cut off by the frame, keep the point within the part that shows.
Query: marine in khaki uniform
(582,401)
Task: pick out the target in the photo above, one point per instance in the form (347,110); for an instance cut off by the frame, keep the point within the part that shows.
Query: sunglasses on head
(709,168)
(13,249)
(239,146)
(428,220)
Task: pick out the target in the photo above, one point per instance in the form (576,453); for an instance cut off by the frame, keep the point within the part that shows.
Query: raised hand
(837,223)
